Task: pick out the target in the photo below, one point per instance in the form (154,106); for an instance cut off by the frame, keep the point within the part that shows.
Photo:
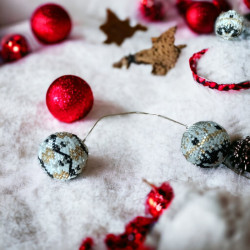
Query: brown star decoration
(163,55)
(116,30)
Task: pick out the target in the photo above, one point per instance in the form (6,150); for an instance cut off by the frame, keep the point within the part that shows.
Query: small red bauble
(247,3)
(69,98)
(201,17)
(152,10)
(14,47)
(159,199)
(87,244)
(50,23)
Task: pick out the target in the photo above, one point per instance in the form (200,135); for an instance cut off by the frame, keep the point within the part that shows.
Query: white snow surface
(37,212)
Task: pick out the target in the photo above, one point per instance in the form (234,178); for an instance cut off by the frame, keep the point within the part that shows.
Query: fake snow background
(211,206)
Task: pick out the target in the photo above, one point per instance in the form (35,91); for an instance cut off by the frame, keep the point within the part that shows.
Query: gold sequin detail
(208,137)
(48,155)
(76,153)
(64,134)
(63,175)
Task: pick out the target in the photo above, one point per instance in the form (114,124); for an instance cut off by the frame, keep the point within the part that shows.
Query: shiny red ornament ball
(69,98)
(87,244)
(247,3)
(152,10)
(50,23)
(14,47)
(159,199)
(201,17)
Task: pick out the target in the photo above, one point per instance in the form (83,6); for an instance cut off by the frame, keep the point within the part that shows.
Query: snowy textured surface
(37,212)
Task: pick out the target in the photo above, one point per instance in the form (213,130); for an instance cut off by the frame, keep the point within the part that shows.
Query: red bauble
(50,23)
(201,17)
(159,199)
(14,47)
(87,244)
(247,3)
(69,98)
(152,10)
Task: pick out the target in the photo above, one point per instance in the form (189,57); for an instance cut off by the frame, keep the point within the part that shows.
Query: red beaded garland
(14,47)
(201,17)
(69,98)
(247,3)
(193,62)
(50,23)
(152,10)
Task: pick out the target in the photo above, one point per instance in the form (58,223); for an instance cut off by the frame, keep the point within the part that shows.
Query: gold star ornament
(163,55)
(116,30)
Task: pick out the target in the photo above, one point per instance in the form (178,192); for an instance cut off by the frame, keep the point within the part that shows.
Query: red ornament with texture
(50,23)
(133,237)
(201,17)
(247,3)
(152,10)
(14,47)
(69,98)
(87,244)
(159,199)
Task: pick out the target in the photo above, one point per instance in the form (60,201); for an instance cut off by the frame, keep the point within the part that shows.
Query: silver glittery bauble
(63,156)
(229,25)
(205,144)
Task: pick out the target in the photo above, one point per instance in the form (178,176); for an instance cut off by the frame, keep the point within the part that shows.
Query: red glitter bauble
(159,199)
(87,244)
(69,98)
(14,47)
(247,3)
(152,10)
(201,17)
(50,23)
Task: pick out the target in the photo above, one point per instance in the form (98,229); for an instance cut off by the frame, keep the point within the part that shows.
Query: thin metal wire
(132,113)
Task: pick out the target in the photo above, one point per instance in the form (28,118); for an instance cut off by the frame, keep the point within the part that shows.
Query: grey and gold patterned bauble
(205,144)
(63,156)
(229,25)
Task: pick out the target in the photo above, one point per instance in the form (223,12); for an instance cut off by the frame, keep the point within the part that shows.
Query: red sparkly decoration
(133,237)
(14,47)
(247,3)
(136,230)
(69,98)
(50,23)
(87,244)
(183,5)
(152,10)
(201,17)
(159,199)
(193,62)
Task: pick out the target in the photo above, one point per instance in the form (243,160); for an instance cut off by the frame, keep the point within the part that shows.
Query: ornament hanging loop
(132,113)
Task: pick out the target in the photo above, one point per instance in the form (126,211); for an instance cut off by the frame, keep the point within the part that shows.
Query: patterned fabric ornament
(116,30)
(163,55)
(63,156)
(229,25)
(205,144)
(14,47)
